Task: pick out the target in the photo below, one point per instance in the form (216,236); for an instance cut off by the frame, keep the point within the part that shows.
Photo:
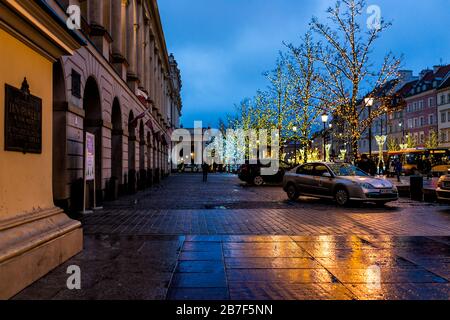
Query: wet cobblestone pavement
(224,240)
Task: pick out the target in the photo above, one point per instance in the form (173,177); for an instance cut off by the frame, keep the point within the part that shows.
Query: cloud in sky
(224,46)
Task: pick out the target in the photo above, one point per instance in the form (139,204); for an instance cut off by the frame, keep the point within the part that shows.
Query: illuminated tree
(345,62)
(410,142)
(392,144)
(306,91)
(433,140)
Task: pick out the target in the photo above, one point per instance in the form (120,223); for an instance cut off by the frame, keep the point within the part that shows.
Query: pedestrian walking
(398,169)
(205,169)
(427,167)
(364,164)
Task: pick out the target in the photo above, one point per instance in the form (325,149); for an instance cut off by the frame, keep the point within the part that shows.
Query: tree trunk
(354,149)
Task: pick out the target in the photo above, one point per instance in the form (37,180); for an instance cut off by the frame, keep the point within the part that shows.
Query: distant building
(421,112)
(443,102)
(388,123)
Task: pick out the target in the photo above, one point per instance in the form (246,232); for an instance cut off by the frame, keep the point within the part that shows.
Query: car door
(324,185)
(305,179)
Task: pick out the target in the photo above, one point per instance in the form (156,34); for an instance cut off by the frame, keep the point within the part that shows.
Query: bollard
(416,188)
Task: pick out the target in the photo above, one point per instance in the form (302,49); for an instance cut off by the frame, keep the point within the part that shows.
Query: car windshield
(347,170)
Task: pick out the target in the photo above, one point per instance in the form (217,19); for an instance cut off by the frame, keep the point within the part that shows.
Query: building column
(96,13)
(147,58)
(118,33)
(99,35)
(131,27)
(140,46)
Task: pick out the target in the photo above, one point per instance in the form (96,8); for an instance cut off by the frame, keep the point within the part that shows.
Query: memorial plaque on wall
(23,120)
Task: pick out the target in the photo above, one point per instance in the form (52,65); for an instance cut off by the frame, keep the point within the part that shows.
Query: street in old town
(241,153)
(227,240)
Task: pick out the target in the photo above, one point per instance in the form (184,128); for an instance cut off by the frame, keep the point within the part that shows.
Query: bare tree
(346,64)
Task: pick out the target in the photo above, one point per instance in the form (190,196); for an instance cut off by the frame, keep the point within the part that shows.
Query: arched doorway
(61,187)
(93,124)
(142,172)
(131,153)
(116,150)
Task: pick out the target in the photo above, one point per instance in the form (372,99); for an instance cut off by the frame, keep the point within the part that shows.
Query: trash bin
(416,188)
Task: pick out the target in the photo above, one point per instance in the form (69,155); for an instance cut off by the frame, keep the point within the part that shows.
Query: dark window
(76,84)
(320,169)
(307,169)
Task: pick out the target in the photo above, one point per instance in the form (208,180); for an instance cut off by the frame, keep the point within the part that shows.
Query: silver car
(339,181)
(443,189)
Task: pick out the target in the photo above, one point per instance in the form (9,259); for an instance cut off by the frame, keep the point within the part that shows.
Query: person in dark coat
(364,164)
(205,170)
(398,168)
(427,168)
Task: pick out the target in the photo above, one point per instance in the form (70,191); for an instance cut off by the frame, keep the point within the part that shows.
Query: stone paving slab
(338,268)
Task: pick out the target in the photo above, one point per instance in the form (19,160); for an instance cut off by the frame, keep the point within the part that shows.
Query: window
(443,117)
(443,99)
(319,170)
(430,119)
(410,123)
(415,106)
(431,102)
(422,121)
(76,84)
(422,137)
(306,170)
(448,116)
(421,105)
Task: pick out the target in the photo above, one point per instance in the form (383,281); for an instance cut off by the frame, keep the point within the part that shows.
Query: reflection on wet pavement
(316,267)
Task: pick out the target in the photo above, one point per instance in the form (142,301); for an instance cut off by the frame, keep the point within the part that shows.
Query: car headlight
(367,186)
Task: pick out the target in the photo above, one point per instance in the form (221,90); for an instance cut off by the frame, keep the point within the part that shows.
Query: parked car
(443,188)
(251,173)
(341,182)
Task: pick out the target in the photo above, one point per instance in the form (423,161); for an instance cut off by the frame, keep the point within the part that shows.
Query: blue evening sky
(224,46)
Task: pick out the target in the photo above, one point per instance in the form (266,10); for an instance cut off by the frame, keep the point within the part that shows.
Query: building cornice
(31,23)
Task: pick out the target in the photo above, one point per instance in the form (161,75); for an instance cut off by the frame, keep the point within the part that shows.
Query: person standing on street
(398,169)
(205,169)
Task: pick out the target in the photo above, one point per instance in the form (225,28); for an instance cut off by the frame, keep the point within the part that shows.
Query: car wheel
(258,181)
(341,196)
(292,192)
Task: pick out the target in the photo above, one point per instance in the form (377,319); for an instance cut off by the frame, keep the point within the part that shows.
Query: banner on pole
(90,157)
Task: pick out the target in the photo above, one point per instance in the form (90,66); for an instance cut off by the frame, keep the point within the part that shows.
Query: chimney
(406,75)
(423,73)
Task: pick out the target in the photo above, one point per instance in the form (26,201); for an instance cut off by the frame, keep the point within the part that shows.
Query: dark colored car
(252,173)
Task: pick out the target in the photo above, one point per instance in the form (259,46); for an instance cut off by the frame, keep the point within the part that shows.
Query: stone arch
(116,147)
(93,123)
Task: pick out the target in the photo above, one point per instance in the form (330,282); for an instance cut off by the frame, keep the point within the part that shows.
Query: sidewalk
(405,182)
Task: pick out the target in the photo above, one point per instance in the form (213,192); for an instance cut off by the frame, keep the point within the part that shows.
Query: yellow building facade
(35,236)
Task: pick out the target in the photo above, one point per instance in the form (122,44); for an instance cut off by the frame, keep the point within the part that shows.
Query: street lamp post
(369,104)
(325,121)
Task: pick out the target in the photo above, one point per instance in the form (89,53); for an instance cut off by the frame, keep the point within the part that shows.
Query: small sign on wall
(23,120)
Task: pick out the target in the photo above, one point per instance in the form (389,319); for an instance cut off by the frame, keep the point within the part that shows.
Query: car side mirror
(327,175)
